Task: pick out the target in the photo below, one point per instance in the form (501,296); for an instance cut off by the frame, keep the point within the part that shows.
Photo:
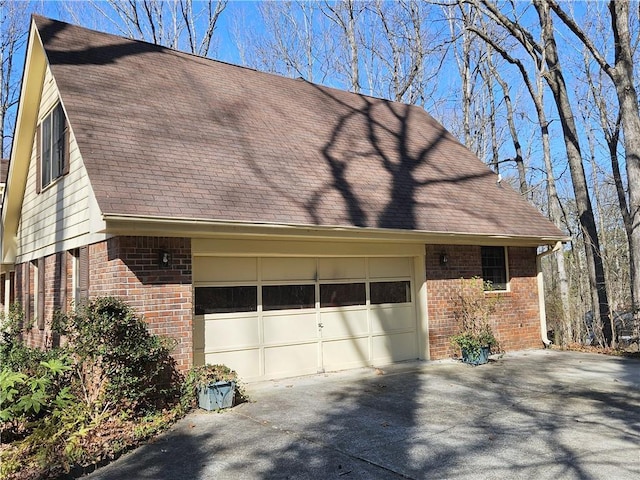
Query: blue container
(478,359)
(217,395)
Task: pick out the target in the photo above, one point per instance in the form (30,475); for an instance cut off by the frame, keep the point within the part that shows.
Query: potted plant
(214,386)
(474,307)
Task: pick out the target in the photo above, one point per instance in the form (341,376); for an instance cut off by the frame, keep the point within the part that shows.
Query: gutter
(543,312)
(126,224)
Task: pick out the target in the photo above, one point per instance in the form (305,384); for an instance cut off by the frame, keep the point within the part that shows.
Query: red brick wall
(57,296)
(516,322)
(125,267)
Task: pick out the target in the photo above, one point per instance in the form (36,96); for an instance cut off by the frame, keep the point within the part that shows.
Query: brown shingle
(169,134)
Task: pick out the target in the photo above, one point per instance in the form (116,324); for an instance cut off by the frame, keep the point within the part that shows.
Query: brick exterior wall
(516,321)
(128,267)
(125,267)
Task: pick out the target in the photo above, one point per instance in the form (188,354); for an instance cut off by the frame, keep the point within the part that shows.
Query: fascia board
(197,228)
(26,121)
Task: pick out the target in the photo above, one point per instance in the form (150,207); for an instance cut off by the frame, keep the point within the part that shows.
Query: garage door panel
(291,360)
(233,332)
(389,267)
(348,353)
(394,348)
(287,328)
(392,318)
(245,362)
(341,268)
(225,269)
(288,269)
(344,323)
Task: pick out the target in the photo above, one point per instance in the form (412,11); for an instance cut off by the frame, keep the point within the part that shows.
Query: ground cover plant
(65,410)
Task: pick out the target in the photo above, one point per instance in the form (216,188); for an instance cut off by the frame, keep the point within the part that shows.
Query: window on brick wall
(60,282)
(75,276)
(3,300)
(22,270)
(80,274)
(40,293)
(494,268)
(12,287)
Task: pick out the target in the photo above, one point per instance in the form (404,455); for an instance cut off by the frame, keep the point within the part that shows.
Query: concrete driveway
(537,414)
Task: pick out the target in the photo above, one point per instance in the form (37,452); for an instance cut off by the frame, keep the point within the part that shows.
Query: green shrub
(119,364)
(25,399)
(57,407)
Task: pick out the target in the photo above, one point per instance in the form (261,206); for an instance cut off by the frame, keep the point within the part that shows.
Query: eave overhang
(26,121)
(132,225)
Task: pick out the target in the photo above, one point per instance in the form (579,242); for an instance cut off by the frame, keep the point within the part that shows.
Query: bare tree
(513,131)
(287,43)
(546,53)
(179,24)
(13,36)
(535,88)
(402,33)
(621,74)
(345,16)
(463,51)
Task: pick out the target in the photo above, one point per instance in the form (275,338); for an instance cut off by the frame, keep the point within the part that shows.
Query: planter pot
(479,358)
(216,395)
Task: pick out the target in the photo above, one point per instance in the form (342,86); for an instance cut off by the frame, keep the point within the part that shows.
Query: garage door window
(284,297)
(390,292)
(226,299)
(342,294)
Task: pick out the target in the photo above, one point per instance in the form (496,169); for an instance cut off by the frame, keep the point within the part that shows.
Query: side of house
(274,268)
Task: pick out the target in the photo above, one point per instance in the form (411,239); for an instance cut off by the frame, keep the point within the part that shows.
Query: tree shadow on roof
(405,153)
(95,55)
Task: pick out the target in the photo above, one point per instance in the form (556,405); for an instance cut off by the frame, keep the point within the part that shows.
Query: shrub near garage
(119,385)
(119,364)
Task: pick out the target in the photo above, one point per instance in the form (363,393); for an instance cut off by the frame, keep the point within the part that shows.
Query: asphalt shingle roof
(168,134)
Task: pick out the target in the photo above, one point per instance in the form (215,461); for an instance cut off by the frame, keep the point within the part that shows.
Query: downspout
(541,304)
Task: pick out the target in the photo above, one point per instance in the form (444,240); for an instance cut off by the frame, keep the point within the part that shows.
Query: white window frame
(506,271)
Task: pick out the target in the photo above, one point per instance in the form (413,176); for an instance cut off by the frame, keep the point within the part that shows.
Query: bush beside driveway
(536,414)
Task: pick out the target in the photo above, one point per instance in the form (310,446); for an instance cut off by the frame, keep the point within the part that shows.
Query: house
(271,224)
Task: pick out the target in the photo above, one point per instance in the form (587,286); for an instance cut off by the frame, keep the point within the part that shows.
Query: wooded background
(545,92)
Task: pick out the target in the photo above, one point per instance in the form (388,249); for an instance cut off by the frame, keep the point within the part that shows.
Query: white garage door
(277,317)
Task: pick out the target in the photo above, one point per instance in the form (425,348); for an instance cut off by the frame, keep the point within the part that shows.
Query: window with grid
(494,268)
(53,146)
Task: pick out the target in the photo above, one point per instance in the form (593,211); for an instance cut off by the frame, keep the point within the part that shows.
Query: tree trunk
(522,178)
(555,214)
(555,80)
(555,208)
(622,76)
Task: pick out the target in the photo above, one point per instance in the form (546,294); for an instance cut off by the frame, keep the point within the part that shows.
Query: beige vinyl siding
(59,217)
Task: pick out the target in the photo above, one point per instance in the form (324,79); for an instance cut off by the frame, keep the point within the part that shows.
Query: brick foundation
(516,322)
